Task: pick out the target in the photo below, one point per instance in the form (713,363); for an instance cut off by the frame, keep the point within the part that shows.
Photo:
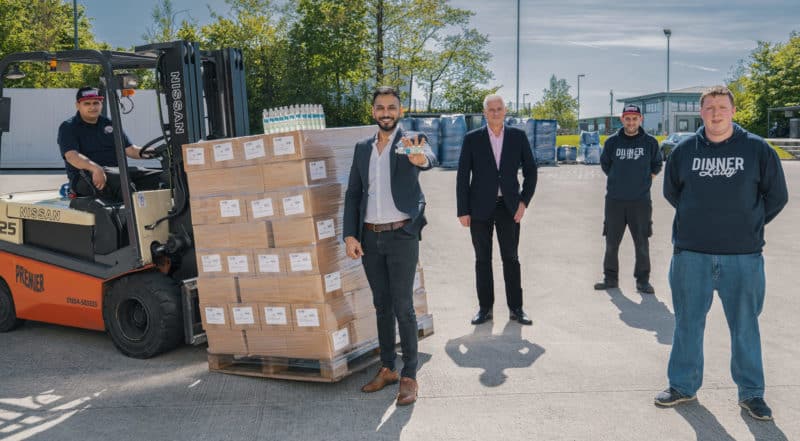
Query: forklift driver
(87,146)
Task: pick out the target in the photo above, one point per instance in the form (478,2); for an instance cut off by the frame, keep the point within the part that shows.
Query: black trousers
(142,179)
(390,261)
(508,239)
(638,217)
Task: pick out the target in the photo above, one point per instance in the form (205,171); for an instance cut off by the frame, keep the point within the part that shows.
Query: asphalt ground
(587,369)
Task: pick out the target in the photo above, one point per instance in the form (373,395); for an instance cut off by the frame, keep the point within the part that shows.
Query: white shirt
(380,203)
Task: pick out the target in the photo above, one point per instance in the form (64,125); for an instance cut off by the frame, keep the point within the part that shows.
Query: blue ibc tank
(544,140)
(431,127)
(590,146)
(408,124)
(453,127)
(567,153)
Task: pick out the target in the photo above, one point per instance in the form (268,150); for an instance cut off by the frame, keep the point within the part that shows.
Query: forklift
(126,268)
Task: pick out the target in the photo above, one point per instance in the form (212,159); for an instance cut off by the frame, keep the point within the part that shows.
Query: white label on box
(229,208)
(275,315)
(317,170)
(283,145)
(140,201)
(416,281)
(307,317)
(215,316)
(212,263)
(325,229)
(300,261)
(341,339)
(293,205)
(254,149)
(269,263)
(238,264)
(195,156)
(223,152)
(333,281)
(262,208)
(243,315)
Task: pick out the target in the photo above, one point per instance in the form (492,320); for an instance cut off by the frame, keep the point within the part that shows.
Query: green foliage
(770,77)
(465,96)
(166,27)
(558,104)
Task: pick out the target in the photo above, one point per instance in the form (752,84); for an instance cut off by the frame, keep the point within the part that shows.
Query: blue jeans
(739,282)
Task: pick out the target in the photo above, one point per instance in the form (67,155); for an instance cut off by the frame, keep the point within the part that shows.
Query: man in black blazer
(489,196)
(383,216)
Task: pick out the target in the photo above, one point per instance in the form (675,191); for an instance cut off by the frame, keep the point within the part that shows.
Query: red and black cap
(631,109)
(88,93)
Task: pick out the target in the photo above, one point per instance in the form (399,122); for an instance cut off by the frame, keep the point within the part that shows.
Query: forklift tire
(8,314)
(143,314)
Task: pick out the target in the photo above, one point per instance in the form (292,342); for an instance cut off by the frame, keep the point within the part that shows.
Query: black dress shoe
(606,284)
(482,316)
(645,287)
(520,316)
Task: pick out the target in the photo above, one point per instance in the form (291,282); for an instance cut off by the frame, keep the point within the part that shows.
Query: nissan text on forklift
(127,268)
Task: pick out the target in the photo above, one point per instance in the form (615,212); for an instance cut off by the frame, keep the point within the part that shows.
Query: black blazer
(406,191)
(479,178)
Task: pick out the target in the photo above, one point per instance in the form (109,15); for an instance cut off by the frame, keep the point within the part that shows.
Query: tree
(330,59)
(465,96)
(769,78)
(462,58)
(165,25)
(558,104)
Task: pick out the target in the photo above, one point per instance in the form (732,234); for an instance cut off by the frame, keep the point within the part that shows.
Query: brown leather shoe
(408,391)
(384,377)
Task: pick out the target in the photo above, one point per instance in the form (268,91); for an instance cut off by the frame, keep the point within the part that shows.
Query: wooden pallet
(301,369)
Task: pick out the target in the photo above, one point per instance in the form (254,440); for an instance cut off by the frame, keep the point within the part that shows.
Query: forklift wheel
(8,314)
(142,312)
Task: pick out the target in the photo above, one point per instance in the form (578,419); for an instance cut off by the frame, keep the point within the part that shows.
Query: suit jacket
(406,191)
(479,178)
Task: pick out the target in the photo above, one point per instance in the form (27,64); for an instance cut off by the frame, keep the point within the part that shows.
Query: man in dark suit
(489,196)
(383,217)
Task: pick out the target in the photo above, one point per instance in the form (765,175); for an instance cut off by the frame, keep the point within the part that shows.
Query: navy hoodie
(724,193)
(630,162)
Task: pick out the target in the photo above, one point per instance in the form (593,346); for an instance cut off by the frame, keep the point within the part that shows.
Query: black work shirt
(95,141)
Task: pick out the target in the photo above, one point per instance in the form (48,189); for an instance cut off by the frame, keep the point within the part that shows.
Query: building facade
(683,114)
(606,125)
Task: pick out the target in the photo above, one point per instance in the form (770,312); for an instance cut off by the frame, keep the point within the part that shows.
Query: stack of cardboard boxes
(273,276)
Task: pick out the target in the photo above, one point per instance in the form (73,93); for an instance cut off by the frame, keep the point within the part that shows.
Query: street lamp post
(667,33)
(517,101)
(75,21)
(579,97)
(524,95)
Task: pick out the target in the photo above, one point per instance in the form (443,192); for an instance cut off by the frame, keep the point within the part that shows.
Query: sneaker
(645,287)
(757,408)
(606,284)
(670,397)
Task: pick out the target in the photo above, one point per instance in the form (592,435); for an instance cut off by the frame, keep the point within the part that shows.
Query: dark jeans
(508,238)
(390,261)
(142,179)
(638,217)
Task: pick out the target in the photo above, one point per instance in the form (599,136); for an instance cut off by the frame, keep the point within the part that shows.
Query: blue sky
(618,45)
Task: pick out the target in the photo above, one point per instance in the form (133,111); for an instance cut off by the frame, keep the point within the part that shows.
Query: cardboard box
(317,288)
(218,210)
(275,317)
(364,329)
(259,289)
(419,279)
(262,206)
(321,317)
(420,302)
(318,345)
(247,235)
(310,201)
(254,149)
(300,231)
(217,290)
(304,172)
(215,316)
(266,343)
(361,302)
(321,258)
(269,262)
(244,316)
(220,181)
(196,157)
(225,262)
(227,342)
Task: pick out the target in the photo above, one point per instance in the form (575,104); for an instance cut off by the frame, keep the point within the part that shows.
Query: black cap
(632,109)
(88,93)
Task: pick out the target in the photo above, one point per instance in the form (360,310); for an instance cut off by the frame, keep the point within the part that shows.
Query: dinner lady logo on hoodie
(713,167)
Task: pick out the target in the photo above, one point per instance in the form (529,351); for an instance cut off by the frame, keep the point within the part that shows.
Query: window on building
(601,127)
(683,125)
(651,108)
(682,106)
(591,127)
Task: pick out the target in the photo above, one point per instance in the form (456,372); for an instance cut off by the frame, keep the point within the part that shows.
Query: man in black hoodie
(631,159)
(725,184)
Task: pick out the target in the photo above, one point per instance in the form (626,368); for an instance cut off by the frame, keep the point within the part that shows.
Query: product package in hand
(412,144)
